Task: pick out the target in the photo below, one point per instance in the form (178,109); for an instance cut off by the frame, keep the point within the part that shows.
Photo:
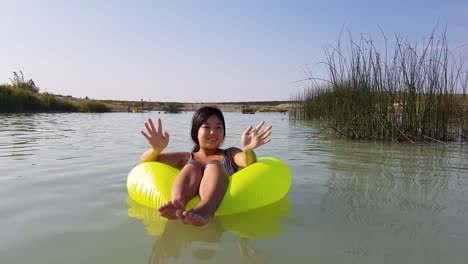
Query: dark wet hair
(200,117)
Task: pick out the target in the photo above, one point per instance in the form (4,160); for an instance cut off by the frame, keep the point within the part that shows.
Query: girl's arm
(149,155)
(252,138)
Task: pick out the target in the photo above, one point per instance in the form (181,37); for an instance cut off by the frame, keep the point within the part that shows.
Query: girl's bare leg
(213,186)
(185,187)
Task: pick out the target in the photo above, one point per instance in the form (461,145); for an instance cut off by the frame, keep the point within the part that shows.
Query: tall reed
(417,93)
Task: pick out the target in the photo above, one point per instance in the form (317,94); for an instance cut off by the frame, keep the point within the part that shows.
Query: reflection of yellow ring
(267,221)
(260,184)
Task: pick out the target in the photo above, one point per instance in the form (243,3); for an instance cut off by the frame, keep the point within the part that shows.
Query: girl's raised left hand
(253,138)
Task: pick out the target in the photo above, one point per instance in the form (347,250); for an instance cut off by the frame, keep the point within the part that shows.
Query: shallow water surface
(64,199)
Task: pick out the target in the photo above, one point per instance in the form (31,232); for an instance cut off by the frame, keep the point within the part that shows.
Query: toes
(171,209)
(193,219)
(180,214)
(164,206)
(171,204)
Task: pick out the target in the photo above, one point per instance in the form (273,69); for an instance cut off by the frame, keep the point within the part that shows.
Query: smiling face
(199,119)
(211,133)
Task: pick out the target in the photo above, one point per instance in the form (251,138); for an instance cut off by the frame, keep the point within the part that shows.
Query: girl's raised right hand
(155,137)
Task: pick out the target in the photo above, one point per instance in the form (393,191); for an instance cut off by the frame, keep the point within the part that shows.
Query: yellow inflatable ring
(260,184)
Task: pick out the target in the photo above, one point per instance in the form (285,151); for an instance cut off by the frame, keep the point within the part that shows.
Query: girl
(205,171)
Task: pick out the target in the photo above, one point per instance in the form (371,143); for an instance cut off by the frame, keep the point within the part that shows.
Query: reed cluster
(417,93)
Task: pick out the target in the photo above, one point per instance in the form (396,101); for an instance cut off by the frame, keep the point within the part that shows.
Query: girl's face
(211,133)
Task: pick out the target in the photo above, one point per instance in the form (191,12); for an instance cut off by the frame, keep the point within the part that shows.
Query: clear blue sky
(198,51)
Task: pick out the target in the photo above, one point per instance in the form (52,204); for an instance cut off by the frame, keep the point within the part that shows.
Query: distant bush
(93,106)
(67,106)
(173,108)
(14,100)
(52,104)
(18,100)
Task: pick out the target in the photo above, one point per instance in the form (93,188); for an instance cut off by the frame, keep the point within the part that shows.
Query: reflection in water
(380,201)
(29,132)
(201,242)
(173,236)
(426,179)
(21,130)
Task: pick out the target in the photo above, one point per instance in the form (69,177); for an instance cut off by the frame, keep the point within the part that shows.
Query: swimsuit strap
(191,160)
(228,166)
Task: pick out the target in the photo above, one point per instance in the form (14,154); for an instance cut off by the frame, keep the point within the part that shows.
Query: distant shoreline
(124,106)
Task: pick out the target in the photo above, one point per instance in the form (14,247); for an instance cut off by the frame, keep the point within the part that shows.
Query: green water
(64,200)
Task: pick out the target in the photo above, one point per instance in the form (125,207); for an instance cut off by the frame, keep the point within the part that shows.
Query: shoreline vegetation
(416,94)
(177,107)
(24,96)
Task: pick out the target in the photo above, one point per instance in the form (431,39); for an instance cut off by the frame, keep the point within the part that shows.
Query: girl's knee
(194,165)
(214,162)
(216,167)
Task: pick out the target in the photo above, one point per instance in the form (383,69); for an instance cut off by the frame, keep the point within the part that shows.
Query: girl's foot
(171,209)
(194,218)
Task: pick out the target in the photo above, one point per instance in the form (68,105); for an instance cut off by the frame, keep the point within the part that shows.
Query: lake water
(64,198)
